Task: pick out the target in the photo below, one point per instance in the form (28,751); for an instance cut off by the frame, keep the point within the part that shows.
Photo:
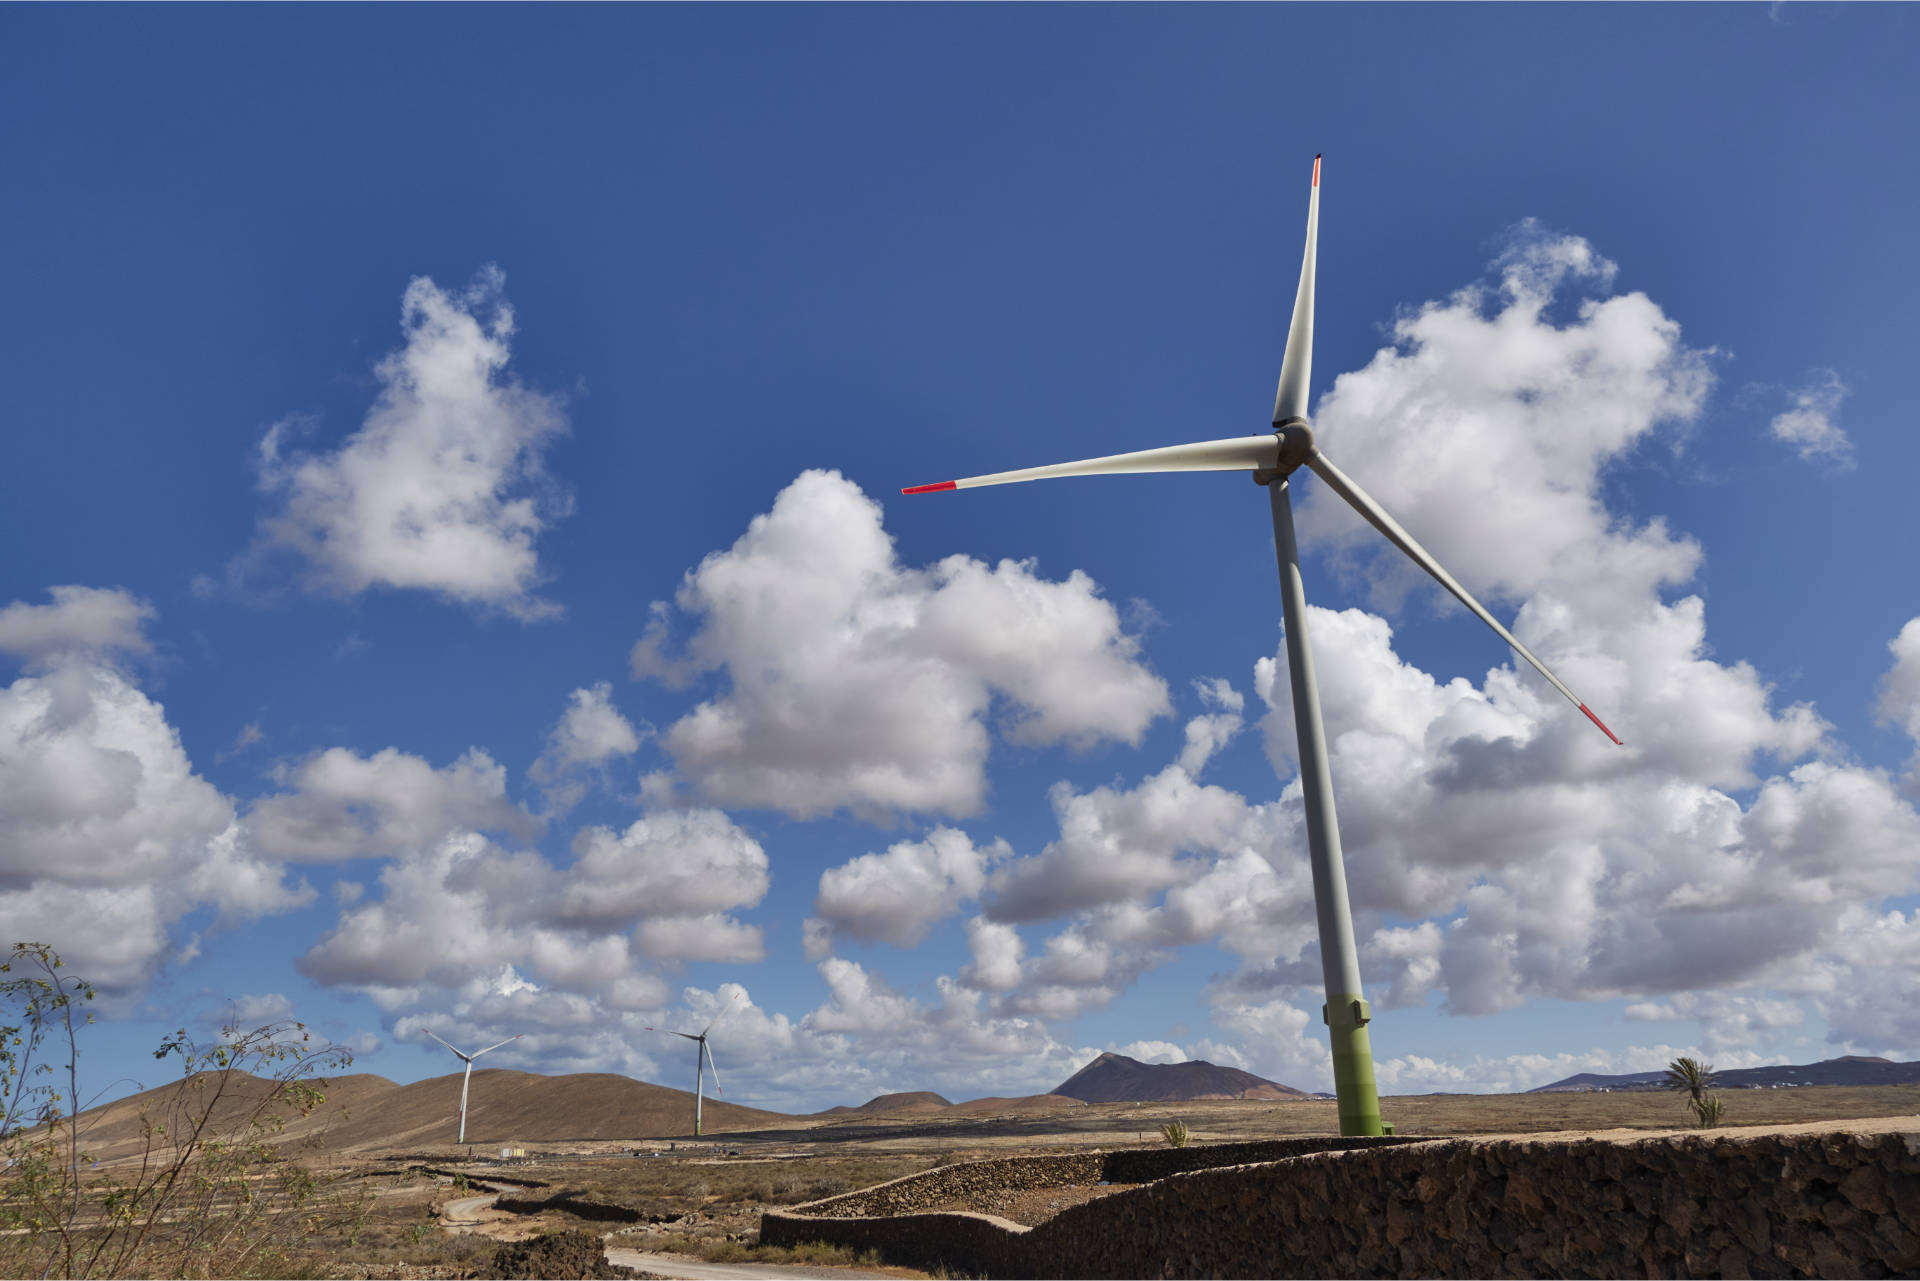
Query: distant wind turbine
(702,1059)
(468,1060)
(1273,459)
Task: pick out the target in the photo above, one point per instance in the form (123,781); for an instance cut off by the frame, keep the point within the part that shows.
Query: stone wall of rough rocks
(1787,1205)
(982,1183)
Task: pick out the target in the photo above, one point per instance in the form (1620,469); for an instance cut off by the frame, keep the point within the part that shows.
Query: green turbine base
(1347,1019)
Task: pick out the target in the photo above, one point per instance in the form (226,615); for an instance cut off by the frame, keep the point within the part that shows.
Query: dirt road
(466,1211)
(679,1265)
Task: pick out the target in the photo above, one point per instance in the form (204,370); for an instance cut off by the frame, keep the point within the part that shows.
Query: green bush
(1695,1079)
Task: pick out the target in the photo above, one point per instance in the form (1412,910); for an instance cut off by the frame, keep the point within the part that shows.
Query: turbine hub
(1296,447)
(1296,443)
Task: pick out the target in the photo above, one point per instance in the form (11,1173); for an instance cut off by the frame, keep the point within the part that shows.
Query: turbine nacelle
(1296,450)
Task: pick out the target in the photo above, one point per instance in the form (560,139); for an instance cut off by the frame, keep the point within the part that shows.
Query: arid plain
(616,1157)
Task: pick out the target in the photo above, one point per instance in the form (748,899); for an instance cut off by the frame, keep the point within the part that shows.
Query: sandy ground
(679,1265)
(692,1191)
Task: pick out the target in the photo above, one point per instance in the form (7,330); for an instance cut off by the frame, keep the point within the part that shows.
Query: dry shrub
(818,1254)
(212,1192)
(421,1244)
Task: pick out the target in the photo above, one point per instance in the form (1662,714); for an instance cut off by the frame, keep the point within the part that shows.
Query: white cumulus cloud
(1153,1051)
(1578,870)
(81,621)
(1485,427)
(442,489)
(108,838)
(688,863)
(856,682)
(1207,734)
(898,896)
(246,1012)
(477,931)
(1810,425)
(997,953)
(591,733)
(1899,701)
(1727,1020)
(1119,846)
(341,805)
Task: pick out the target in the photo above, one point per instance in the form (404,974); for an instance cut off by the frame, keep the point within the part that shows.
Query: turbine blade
(496,1045)
(1296,367)
(714,1066)
(1376,515)
(449,1045)
(732,1004)
(1241,453)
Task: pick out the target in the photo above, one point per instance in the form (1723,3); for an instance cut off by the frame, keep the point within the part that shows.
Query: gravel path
(679,1265)
(467,1209)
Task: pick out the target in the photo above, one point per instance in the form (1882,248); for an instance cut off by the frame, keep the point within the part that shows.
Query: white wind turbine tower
(468,1076)
(702,1059)
(1273,459)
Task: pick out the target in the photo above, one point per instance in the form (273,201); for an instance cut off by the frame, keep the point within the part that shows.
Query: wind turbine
(1273,459)
(702,1059)
(468,1060)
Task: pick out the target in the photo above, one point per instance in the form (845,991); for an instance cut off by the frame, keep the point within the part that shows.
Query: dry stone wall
(981,1183)
(1792,1205)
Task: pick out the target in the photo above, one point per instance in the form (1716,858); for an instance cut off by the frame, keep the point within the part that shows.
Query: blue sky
(457,576)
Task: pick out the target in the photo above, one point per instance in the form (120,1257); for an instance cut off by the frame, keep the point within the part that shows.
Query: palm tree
(1696,1078)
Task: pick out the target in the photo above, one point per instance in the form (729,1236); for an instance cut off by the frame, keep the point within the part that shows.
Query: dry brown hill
(369,1113)
(910,1102)
(120,1129)
(505,1106)
(1115,1078)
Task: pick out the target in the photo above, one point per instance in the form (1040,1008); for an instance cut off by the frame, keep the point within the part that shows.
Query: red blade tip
(1603,729)
(931,489)
(1316,171)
